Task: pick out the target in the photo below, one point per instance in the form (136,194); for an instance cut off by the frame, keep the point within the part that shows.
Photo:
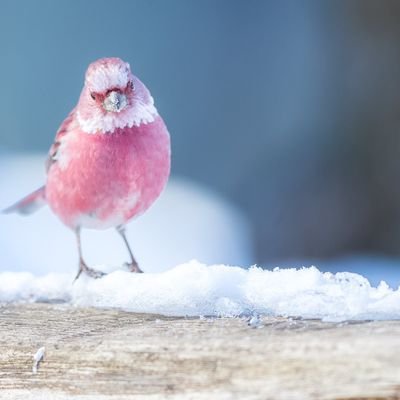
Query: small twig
(37,358)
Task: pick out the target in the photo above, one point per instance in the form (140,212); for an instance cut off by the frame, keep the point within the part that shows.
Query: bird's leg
(133,265)
(82,265)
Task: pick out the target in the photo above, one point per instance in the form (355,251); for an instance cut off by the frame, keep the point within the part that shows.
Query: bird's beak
(115,101)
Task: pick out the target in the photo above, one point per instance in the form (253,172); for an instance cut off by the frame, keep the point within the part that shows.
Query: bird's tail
(30,203)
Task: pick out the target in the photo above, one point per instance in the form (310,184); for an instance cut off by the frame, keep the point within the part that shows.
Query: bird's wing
(68,124)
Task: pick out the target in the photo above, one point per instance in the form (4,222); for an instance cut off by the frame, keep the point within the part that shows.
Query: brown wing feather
(64,129)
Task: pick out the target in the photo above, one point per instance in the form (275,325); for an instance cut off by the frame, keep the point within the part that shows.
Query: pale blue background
(288,109)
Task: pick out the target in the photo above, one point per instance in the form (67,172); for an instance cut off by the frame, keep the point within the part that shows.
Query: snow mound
(195,289)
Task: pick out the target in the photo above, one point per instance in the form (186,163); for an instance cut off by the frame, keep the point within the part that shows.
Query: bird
(110,159)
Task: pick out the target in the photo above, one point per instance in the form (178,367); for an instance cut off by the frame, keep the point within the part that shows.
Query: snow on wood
(194,289)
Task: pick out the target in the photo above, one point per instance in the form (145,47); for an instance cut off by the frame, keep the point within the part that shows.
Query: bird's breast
(103,180)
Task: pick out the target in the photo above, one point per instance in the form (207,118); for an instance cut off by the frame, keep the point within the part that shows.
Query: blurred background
(284,113)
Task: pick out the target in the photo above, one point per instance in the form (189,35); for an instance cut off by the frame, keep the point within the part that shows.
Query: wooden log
(106,353)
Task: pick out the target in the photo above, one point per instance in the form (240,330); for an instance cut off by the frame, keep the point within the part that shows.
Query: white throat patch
(139,110)
(134,115)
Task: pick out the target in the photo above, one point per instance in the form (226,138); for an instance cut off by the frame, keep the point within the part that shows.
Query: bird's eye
(130,85)
(92,95)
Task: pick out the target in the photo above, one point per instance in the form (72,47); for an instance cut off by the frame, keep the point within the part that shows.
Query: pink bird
(110,159)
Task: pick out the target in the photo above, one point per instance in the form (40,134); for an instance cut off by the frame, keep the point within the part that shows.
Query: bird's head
(109,82)
(113,97)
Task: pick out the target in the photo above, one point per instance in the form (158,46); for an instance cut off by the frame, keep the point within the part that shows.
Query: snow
(375,267)
(255,321)
(195,289)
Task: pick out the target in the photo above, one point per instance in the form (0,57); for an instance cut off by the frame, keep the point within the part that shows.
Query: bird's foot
(93,273)
(133,267)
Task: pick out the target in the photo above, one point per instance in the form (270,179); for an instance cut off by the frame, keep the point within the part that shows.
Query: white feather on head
(103,76)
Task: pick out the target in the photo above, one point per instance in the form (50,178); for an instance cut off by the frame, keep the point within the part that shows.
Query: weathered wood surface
(120,355)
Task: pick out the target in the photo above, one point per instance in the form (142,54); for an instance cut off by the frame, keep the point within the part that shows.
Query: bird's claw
(133,267)
(93,273)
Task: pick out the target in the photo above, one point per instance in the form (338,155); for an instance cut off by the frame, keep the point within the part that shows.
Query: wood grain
(115,354)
